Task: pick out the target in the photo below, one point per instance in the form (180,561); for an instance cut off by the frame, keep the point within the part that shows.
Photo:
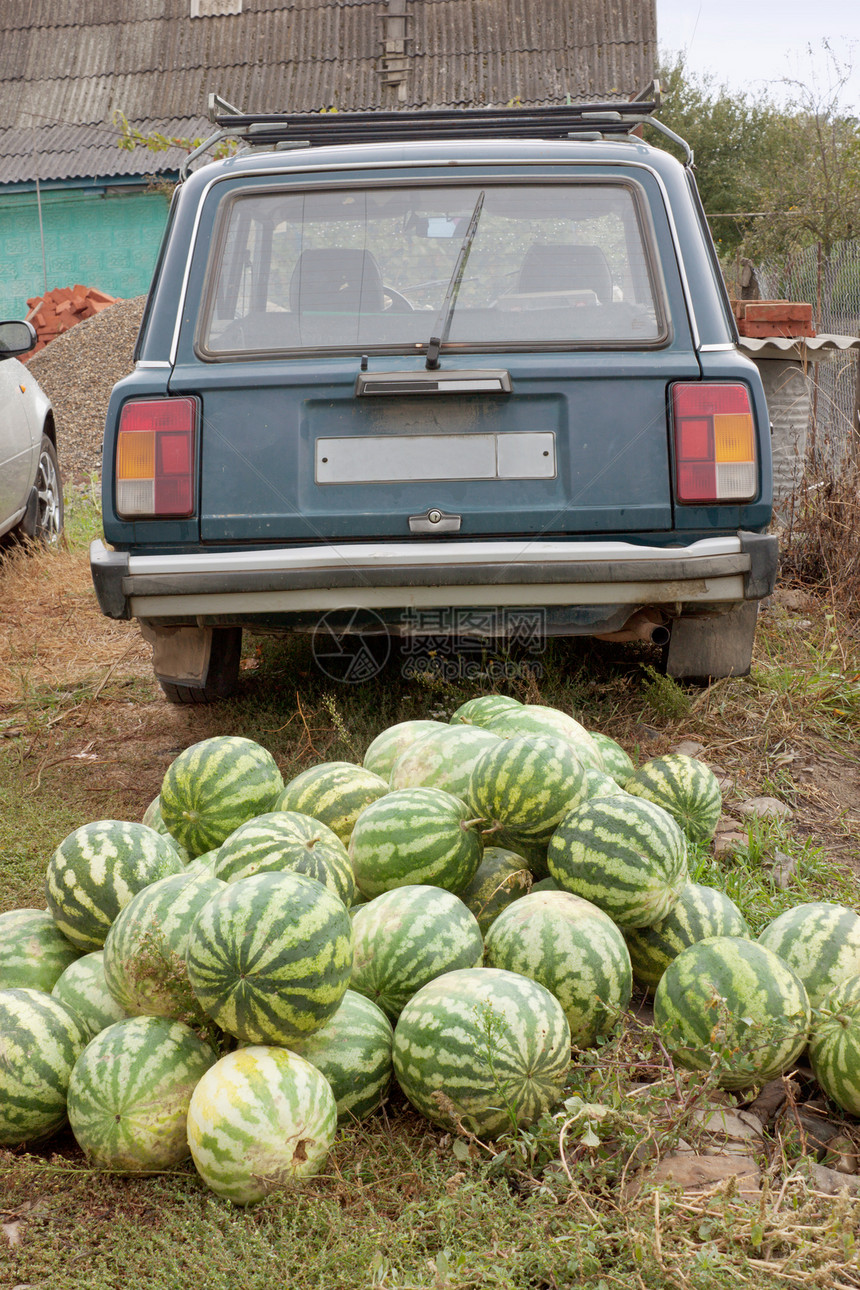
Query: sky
(754,44)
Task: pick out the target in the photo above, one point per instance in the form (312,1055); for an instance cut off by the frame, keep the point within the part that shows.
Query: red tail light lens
(715,448)
(155,459)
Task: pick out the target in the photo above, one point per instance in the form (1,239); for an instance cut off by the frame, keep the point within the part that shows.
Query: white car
(31,491)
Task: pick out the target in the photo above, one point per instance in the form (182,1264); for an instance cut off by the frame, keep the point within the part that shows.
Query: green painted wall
(99,238)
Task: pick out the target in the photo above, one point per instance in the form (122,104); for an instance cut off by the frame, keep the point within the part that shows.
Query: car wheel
(222,673)
(43,522)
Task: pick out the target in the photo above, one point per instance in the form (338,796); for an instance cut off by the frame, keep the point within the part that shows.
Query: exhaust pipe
(644,625)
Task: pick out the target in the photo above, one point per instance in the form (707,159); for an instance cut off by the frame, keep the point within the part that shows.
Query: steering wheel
(399,303)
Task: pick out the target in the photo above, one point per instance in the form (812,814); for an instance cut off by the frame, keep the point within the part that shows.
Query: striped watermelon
(392,742)
(834,1044)
(820,941)
(213,787)
(616,762)
(205,863)
(483,1047)
(414,836)
(575,950)
(484,709)
(96,870)
(406,937)
(130,1091)
(152,815)
(41,1038)
(699,912)
(335,792)
(626,855)
(536,719)
(443,759)
(33,950)
(598,784)
(732,1001)
(526,784)
(153,818)
(502,877)
(532,850)
(144,953)
(258,1119)
(683,786)
(269,957)
(281,841)
(353,1051)
(83,988)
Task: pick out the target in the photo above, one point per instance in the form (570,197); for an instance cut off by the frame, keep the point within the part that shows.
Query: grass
(84,734)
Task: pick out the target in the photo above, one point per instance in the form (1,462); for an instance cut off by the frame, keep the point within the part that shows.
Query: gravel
(77,371)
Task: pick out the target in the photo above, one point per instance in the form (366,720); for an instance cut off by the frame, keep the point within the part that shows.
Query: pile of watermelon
(254,964)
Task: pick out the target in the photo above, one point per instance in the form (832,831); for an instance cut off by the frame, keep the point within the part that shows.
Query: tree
(732,136)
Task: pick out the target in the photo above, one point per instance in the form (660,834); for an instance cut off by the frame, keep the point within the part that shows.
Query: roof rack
(312,129)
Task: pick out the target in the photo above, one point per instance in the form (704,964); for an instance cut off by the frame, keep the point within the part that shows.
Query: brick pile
(58,310)
(762,318)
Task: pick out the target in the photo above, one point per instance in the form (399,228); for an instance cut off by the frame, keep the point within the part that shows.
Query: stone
(689,748)
(830,1181)
(698,1173)
(765,808)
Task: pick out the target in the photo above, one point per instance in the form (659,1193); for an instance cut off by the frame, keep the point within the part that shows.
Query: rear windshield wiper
(446,313)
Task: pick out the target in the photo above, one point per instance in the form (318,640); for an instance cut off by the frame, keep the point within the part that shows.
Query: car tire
(43,520)
(221,677)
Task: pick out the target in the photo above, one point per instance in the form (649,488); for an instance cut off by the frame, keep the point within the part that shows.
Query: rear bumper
(291,583)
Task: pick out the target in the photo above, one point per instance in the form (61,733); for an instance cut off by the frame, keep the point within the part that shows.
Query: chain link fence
(832,285)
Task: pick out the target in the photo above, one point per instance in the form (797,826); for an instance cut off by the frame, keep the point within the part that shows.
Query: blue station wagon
(396,368)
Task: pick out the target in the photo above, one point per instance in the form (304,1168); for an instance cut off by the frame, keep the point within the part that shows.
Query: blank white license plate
(395,459)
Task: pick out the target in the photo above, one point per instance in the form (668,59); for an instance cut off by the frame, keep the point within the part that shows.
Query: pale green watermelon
(96,870)
(484,709)
(443,759)
(483,1047)
(392,742)
(406,937)
(33,950)
(41,1038)
(130,1091)
(353,1052)
(575,950)
(214,786)
(538,719)
(259,1119)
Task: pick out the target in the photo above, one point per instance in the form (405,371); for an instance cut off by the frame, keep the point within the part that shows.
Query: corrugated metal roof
(66,66)
(801,349)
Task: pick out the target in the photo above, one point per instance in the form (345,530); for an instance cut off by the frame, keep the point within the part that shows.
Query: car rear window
(495,265)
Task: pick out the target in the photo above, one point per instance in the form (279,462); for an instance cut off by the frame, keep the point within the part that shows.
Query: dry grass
(52,635)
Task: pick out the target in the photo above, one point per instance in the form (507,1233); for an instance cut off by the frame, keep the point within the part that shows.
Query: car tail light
(155,458)
(715,449)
